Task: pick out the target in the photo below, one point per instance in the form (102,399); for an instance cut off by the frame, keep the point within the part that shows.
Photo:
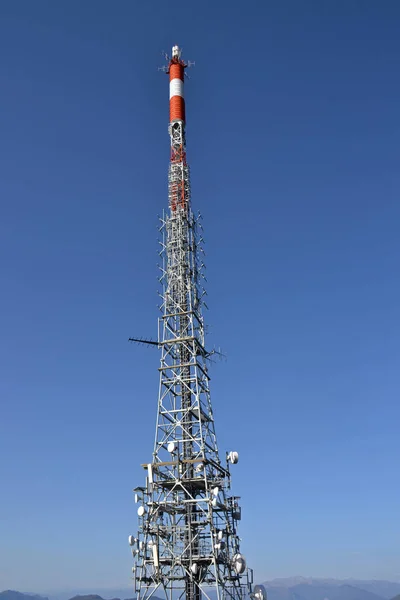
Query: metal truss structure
(187,545)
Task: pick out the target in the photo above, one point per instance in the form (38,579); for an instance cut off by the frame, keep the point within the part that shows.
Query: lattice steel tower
(187,541)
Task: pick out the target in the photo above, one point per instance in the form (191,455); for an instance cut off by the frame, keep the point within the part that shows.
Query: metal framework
(187,545)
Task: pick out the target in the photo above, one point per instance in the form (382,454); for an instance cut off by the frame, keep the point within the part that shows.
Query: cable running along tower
(187,541)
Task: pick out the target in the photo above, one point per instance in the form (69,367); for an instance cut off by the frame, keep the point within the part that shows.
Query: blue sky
(293,127)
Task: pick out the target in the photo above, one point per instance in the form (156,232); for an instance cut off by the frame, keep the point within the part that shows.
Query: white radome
(239,563)
(233,458)
(259,593)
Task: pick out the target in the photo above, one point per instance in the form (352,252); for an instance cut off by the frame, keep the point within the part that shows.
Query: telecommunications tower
(187,545)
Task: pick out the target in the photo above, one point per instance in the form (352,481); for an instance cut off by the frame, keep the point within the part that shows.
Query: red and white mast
(176,78)
(178,172)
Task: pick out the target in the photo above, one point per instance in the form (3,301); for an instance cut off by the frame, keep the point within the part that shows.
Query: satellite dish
(131,540)
(141,510)
(194,568)
(171,447)
(239,563)
(260,593)
(215,491)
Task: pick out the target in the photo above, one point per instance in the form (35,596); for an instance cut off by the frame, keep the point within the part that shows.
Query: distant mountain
(387,589)
(311,588)
(89,597)
(319,591)
(13,595)
(108,593)
(97,597)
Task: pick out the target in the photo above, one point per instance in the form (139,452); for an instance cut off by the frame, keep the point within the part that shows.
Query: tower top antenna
(176,52)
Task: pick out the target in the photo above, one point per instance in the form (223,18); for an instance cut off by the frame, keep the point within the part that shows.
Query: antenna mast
(187,545)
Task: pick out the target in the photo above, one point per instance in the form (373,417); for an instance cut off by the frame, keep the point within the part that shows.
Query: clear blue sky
(293,138)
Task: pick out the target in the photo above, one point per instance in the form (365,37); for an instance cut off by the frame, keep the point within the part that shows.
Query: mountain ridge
(382,588)
(290,588)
